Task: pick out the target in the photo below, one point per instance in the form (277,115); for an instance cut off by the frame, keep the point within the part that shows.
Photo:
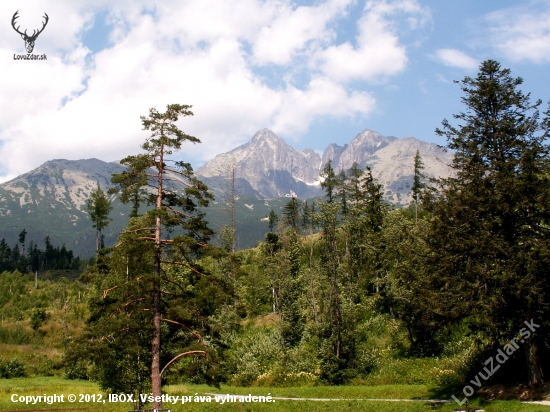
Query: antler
(43,25)
(15,16)
(34,33)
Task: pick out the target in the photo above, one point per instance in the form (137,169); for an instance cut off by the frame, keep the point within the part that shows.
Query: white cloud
(456,58)
(293,29)
(78,105)
(378,51)
(522,33)
(322,97)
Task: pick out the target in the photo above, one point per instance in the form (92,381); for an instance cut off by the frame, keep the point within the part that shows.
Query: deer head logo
(29,40)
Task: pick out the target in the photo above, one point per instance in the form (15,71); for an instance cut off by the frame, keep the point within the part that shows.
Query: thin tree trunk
(233,207)
(310,259)
(534,370)
(155,364)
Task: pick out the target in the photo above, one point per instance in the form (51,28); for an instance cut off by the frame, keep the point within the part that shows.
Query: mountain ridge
(273,168)
(51,199)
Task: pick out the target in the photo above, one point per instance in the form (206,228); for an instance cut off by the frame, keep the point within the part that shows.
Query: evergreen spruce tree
(418,184)
(291,213)
(329,180)
(99,208)
(273,218)
(491,242)
(342,190)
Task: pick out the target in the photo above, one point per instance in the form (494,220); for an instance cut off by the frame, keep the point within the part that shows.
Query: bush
(256,358)
(13,368)
(18,335)
(38,317)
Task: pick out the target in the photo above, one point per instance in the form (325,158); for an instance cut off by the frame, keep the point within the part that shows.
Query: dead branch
(183,264)
(174,283)
(114,287)
(178,212)
(153,239)
(108,290)
(133,301)
(195,334)
(181,355)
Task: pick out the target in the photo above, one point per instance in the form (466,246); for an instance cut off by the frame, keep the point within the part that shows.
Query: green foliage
(273,218)
(329,181)
(291,213)
(18,335)
(13,368)
(38,317)
(55,258)
(227,237)
(490,245)
(99,208)
(257,358)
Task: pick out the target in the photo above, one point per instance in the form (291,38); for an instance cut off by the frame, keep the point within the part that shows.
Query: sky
(314,72)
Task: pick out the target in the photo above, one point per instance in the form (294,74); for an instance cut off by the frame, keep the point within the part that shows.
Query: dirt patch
(519,392)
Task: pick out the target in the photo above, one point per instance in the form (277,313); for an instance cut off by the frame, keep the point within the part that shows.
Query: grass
(352,394)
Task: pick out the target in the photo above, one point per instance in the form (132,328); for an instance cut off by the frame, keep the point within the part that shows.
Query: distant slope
(51,201)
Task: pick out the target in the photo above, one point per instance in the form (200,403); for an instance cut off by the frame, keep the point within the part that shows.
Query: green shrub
(38,317)
(13,368)
(256,358)
(18,335)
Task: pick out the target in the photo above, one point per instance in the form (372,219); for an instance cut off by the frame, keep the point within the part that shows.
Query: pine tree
(273,218)
(329,180)
(99,208)
(342,190)
(418,184)
(22,237)
(355,175)
(172,210)
(291,213)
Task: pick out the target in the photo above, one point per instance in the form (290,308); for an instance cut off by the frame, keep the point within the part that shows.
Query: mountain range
(51,199)
(267,167)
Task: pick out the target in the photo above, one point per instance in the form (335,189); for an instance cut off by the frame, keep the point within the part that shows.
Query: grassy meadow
(354,398)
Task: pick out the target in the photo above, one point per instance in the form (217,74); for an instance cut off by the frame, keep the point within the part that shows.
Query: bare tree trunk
(156,385)
(233,206)
(534,371)
(310,259)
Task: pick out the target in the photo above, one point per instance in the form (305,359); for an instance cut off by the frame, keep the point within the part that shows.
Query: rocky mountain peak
(266,135)
(270,165)
(361,148)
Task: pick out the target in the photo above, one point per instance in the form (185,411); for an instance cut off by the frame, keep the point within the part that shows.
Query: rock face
(333,152)
(361,148)
(393,166)
(272,168)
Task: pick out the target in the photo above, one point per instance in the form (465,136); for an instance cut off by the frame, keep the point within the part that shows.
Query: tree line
(28,258)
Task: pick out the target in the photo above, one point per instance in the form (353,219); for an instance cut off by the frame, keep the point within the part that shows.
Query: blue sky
(314,72)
